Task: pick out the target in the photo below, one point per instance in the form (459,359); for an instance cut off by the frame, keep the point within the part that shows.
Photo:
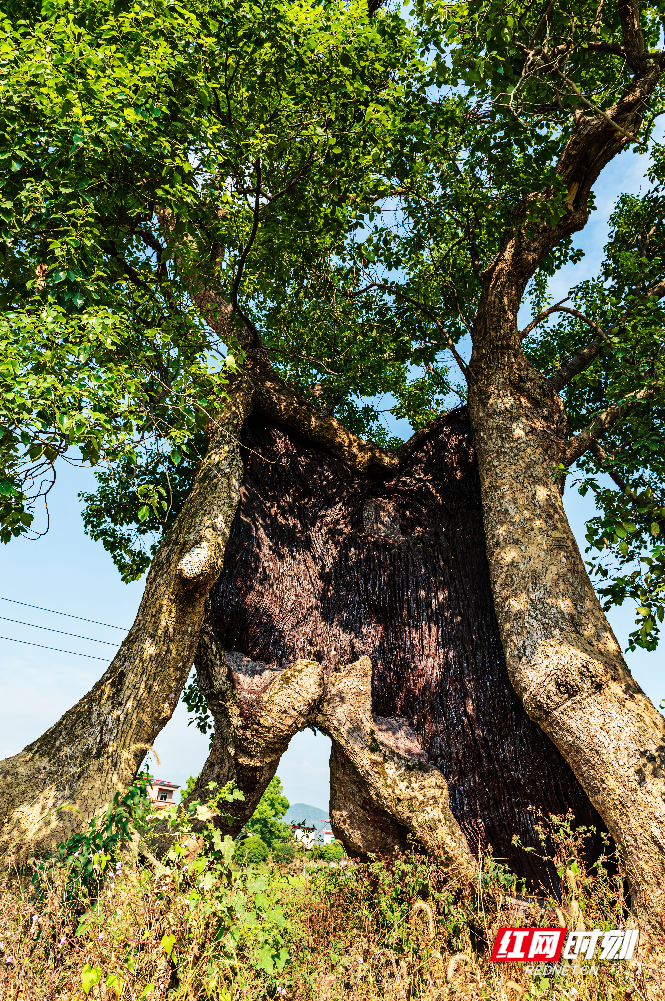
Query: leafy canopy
(265,821)
(336,183)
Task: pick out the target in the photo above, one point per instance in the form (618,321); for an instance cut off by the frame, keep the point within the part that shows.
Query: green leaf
(167,943)
(144,511)
(281,959)
(264,960)
(90,977)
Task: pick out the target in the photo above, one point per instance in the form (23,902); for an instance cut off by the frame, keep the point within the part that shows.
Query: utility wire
(57,649)
(61,631)
(68,614)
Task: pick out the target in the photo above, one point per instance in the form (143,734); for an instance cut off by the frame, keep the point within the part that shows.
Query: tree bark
(384,585)
(96,748)
(562,657)
(258,708)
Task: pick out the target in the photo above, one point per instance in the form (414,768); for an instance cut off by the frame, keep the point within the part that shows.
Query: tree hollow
(328,565)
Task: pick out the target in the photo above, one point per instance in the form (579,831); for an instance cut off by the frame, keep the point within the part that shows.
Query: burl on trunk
(362,606)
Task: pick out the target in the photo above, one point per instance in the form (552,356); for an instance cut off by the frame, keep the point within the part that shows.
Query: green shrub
(283,852)
(328,853)
(251,851)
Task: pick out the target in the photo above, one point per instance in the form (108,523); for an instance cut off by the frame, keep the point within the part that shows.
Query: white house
(162,793)
(310,838)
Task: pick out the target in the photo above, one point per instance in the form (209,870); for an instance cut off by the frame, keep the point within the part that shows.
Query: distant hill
(298,813)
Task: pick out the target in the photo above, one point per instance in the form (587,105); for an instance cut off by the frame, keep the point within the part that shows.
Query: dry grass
(201,927)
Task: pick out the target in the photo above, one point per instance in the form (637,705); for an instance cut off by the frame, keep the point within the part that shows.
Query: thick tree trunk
(97,747)
(562,657)
(382,588)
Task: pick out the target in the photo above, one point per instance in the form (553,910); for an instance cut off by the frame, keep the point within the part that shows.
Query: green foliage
(134,503)
(283,852)
(265,819)
(328,853)
(342,182)
(130,136)
(251,851)
(188,787)
(195,702)
(86,856)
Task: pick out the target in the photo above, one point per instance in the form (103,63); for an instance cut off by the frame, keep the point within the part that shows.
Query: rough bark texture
(96,748)
(562,657)
(326,566)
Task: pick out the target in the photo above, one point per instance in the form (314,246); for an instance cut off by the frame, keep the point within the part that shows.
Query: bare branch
(582,442)
(248,246)
(599,111)
(542,316)
(614,50)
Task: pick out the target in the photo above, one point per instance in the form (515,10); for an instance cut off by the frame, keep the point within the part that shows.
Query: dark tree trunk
(325,566)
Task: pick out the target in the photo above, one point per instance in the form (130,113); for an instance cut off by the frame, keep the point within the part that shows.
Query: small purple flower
(201,886)
(35,917)
(185,868)
(101,936)
(62,942)
(9,959)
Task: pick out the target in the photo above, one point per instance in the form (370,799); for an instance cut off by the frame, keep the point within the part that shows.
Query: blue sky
(68,572)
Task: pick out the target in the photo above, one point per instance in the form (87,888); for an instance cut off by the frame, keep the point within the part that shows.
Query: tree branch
(582,442)
(604,460)
(633,38)
(435,320)
(583,358)
(542,316)
(248,246)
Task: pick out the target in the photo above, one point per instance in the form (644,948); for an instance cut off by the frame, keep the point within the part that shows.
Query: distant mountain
(299,813)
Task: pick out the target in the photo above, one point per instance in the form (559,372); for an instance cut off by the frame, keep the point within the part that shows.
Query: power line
(62,632)
(68,614)
(57,649)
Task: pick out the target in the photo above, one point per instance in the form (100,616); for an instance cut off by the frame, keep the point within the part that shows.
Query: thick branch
(597,138)
(633,38)
(583,358)
(274,399)
(577,363)
(582,442)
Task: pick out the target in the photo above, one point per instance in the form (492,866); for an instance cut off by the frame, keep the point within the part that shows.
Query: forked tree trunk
(96,748)
(362,606)
(561,654)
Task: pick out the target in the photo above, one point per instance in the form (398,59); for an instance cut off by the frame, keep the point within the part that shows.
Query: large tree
(281,210)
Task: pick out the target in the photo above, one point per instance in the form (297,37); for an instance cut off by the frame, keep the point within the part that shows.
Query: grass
(197,925)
